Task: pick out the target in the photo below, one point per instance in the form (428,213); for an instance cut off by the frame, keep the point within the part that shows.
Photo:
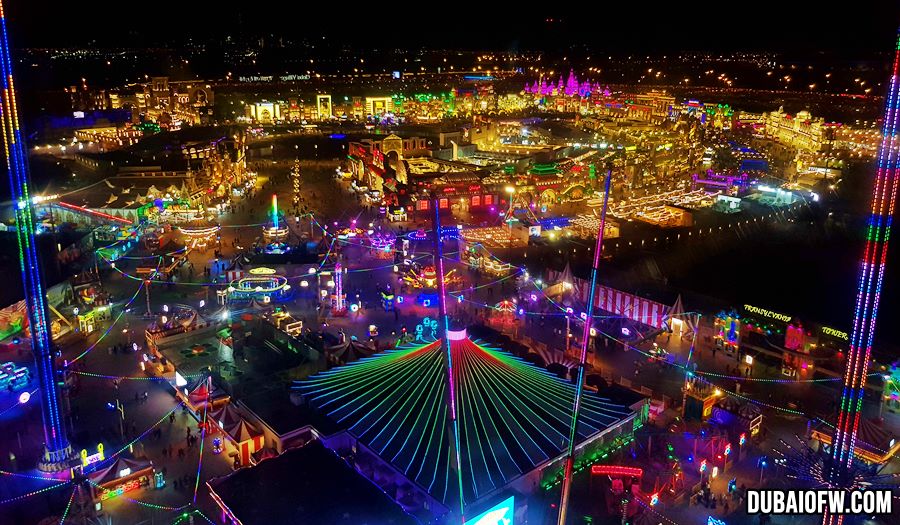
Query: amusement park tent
(247,438)
(560,282)
(199,393)
(243,431)
(613,301)
(513,417)
(348,351)
(120,472)
(258,306)
(225,416)
(112,472)
(235,269)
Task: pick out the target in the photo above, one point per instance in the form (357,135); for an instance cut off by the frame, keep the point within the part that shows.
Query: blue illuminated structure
(503,513)
(57,450)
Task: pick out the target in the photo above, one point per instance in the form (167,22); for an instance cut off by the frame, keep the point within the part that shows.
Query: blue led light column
(57,451)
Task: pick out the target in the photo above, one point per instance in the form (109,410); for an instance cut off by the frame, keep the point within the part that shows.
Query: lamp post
(762,467)
(147,292)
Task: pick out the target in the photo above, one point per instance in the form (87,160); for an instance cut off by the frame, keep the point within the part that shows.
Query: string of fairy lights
(65,513)
(459,294)
(108,458)
(112,325)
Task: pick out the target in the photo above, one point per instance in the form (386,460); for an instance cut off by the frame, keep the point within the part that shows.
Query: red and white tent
(612,301)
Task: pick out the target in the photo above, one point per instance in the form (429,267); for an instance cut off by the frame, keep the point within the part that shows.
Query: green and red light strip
(871,277)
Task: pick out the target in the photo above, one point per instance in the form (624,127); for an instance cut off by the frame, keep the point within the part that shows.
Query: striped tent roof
(513,417)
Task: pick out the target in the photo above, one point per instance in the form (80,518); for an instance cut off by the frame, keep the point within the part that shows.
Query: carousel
(199,238)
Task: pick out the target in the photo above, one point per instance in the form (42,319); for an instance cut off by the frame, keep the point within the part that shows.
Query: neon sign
(499,514)
(128,486)
(92,458)
(835,333)
(617,470)
(767,313)
(262,271)
(427,331)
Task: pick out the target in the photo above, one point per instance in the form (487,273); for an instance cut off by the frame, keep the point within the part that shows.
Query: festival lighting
(448,354)
(275,211)
(617,471)
(394,403)
(57,450)
(870,280)
(338,289)
(95,213)
(585,343)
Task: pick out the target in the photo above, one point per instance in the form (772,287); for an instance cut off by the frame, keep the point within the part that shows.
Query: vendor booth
(124,475)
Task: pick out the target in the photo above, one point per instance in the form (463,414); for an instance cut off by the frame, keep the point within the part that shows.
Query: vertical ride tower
(839,471)
(57,450)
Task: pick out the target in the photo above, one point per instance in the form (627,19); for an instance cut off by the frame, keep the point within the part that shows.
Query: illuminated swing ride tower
(57,450)
(839,471)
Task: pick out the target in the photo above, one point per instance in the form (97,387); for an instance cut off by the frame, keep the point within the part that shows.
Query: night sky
(858,27)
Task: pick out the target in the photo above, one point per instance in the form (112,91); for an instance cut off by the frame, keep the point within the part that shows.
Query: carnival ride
(382,244)
(199,238)
(262,284)
(276,233)
(447,232)
(351,232)
(425,277)
(13,377)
